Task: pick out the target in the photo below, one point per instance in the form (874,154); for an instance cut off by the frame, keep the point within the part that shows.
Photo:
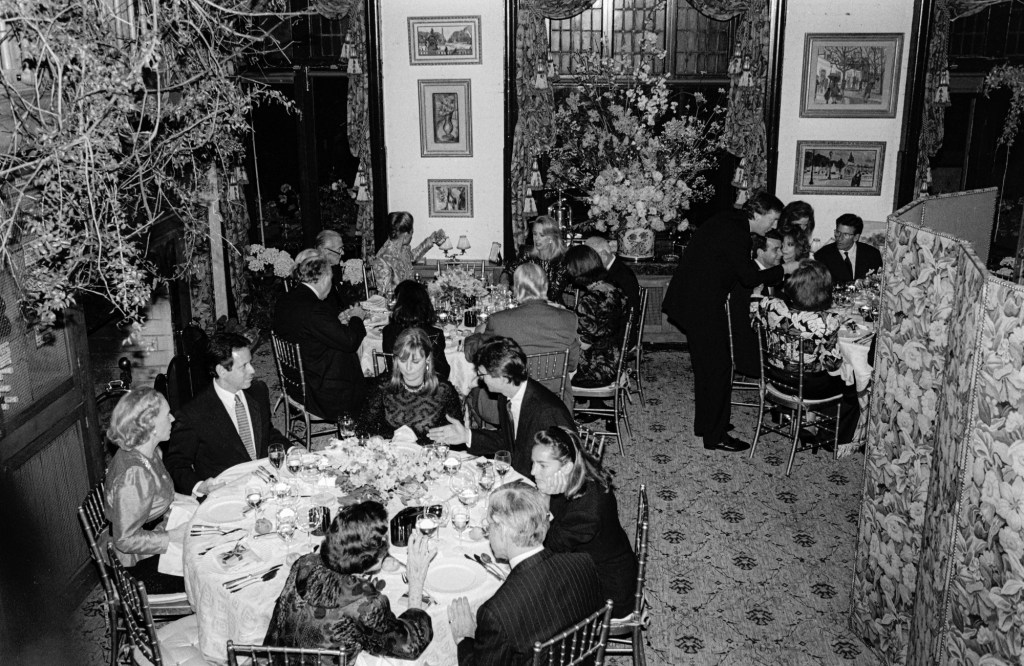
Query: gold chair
(288,359)
(263,655)
(593,442)
(777,349)
(382,362)
(626,634)
(739,382)
(638,350)
(369,278)
(616,391)
(584,642)
(550,369)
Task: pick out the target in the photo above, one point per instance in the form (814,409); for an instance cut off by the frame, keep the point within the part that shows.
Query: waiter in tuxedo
(226,424)
(767,251)
(525,407)
(715,261)
(544,593)
(847,259)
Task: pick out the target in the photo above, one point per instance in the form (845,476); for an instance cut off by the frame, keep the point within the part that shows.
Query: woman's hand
(438,236)
(554,483)
(421,551)
(208,486)
(177,535)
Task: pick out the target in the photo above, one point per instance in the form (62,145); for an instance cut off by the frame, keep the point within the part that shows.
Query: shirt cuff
(195,490)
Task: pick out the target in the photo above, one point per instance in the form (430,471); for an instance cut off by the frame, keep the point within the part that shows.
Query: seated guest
(796,246)
(602,313)
(226,424)
(538,326)
(331,599)
(525,407)
(522,611)
(847,259)
(413,309)
(619,274)
(585,516)
(411,395)
(139,491)
(343,293)
(808,295)
(394,260)
(798,214)
(548,252)
(329,348)
(767,252)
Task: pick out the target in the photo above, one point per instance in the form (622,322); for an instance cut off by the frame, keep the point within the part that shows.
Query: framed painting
(851,75)
(446,129)
(444,40)
(839,167)
(450,198)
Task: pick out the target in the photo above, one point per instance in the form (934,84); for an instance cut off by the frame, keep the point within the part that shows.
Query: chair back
(640,548)
(262,655)
(548,368)
(593,442)
(782,358)
(138,620)
(288,359)
(624,349)
(94,522)
(638,318)
(584,642)
(369,278)
(382,362)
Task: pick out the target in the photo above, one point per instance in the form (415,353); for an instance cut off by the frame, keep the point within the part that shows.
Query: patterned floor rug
(747,566)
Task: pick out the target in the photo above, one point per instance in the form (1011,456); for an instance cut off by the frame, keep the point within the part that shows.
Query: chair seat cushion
(178,644)
(175,599)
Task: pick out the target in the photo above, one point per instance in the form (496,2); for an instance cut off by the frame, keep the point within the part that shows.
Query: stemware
(275,452)
(460,520)
(441,450)
(502,463)
(469,496)
(286,526)
(450,466)
(294,462)
(314,519)
(284,493)
(426,523)
(254,498)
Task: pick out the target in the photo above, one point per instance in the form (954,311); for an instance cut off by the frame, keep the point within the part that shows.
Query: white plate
(454,576)
(227,510)
(846,334)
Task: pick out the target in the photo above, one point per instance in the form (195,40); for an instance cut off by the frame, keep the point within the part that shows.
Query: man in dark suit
(767,253)
(330,359)
(342,295)
(525,407)
(545,593)
(619,274)
(847,259)
(539,326)
(226,424)
(715,261)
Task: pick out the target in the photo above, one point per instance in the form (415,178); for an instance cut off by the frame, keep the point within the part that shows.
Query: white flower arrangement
(380,465)
(457,283)
(261,258)
(353,271)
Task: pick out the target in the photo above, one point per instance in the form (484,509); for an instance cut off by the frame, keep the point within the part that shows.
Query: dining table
(226,611)
(858,307)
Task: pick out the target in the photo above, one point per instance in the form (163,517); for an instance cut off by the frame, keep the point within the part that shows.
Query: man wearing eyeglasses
(331,246)
(847,259)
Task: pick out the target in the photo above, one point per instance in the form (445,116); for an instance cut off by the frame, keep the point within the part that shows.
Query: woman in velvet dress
(585,516)
(548,252)
(601,309)
(139,491)
(332,600)
(413,309)
(412,395)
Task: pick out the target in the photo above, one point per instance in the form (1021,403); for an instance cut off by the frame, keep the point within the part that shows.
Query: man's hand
(461,619)
(454,433)
(208,486)
(790,266)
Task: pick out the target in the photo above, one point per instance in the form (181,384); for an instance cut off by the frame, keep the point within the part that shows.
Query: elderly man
(619,274)
(847,259)
(330,359)
(330,244)
(545,592)
(538,325)
(226,424)
(525,407)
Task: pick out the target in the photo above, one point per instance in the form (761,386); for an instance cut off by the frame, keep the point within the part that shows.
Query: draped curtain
(744,123)
(359,121)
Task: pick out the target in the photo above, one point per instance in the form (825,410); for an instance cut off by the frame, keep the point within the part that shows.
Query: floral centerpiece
(457,287)
(641,157)
(379,464)
(268,268)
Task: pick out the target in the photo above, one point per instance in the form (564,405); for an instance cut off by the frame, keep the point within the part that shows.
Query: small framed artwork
(444,40)
(450,198)
(839,167)
(851,75)
(446,129)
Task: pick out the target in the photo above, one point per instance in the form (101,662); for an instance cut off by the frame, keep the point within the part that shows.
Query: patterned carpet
(747,566)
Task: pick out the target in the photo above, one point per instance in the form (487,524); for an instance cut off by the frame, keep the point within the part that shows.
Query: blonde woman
(548,252)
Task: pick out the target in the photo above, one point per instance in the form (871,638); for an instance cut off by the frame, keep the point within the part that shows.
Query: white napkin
(404,435)
(172,561)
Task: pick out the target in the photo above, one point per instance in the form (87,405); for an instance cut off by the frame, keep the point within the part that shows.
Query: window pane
(703,45)
(578,34)
(629,20)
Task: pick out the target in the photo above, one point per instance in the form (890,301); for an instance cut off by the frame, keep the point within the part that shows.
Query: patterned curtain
(359,122)
(335,9)
(557,10)
(235,225)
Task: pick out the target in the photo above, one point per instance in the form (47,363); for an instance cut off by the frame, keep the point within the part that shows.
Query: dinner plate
(454,576)
(846,333)
(225,510)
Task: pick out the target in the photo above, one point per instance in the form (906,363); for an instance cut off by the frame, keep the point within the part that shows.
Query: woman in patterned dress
(548,252)
(601,309)
(394,260)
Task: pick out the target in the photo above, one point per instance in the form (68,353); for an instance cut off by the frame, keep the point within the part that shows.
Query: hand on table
(461,619)
(354,311)
(453,433)
(208,486)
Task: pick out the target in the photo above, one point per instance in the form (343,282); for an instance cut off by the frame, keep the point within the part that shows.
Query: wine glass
(441,450)
(502,463)
(284,493)
(286,526)
(254,498)
(486,480)
(469,496)
(460,520)
(346,426)
(426,523)
(294,462)
(451,465)
(275,452)
(314,519)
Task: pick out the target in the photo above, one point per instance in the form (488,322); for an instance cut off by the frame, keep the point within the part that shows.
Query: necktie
(244,429)
(511,419)
(849,264)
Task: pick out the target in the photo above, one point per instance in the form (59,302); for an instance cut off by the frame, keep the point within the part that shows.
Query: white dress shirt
(227,398)
(515,403)
(524,556)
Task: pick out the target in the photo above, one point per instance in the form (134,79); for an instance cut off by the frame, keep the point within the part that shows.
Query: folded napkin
(182,509)
(404,435)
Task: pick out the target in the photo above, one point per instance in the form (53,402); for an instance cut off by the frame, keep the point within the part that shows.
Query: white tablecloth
(463,374)
(245,615)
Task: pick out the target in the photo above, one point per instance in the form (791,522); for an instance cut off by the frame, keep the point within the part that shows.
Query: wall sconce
(457,251)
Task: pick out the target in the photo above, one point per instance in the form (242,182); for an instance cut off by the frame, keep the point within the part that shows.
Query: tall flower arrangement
(641,157)
(268,269)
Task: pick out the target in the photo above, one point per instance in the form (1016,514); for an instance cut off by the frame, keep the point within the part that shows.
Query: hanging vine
(1011,77)
(121,109)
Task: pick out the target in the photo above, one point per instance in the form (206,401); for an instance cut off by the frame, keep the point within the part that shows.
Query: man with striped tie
(226,424)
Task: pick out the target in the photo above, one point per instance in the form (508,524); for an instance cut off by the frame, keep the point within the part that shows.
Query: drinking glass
(284,493)
(451,465)
(486,480)
(254,498)
(502,463)
(286,526)
(469,496)
(275,452)
(314,518)
(294,462)
(460,520)
(441,450)
(346,426)
(426,523)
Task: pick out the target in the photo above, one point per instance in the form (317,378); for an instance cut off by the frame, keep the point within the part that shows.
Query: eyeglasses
(327,249)
(840,234)
(482,373)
